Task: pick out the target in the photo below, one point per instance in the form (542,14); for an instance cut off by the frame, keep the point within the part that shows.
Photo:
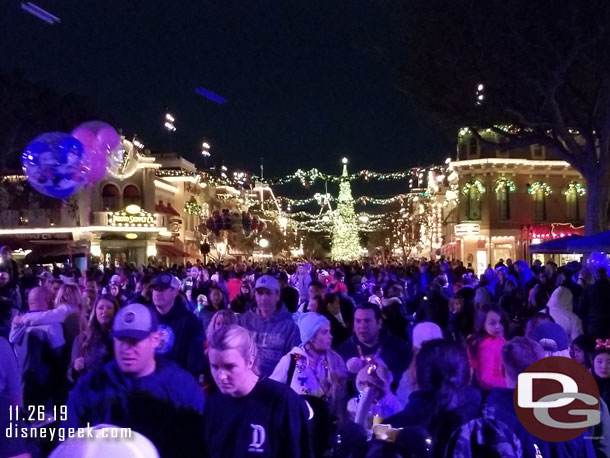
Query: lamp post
(205,152)
(169,125)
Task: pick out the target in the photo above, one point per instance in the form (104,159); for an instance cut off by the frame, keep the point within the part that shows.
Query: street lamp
(205,152)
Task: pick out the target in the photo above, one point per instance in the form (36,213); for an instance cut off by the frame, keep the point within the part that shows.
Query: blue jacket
(166,406)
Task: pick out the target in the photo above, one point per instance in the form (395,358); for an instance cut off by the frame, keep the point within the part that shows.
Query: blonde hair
(234,337)
(69,294)
(228,317)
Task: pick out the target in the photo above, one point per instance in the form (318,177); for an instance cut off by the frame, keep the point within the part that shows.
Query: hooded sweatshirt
(560,308)
(166,406)
(181,338)
(274,337)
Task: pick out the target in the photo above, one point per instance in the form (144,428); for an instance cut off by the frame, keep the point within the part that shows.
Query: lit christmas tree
(345,240)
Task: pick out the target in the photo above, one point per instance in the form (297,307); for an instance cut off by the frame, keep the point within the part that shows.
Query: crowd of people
(300,359)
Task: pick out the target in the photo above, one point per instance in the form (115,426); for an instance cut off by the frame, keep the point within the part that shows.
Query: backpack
(322,423)
(484,437)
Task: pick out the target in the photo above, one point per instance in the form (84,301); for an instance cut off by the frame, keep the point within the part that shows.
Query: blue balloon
(55,164)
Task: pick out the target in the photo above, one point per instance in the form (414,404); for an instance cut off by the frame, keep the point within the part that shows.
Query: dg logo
(557,399)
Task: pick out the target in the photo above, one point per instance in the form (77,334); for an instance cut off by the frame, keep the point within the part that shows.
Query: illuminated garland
(193,208)
(579,188)
(501,182)
(309,177)
(364,200)
(533,188)
(452,196)
(476,183)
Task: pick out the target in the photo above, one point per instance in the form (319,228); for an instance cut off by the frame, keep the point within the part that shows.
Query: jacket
(181,338)
(487,363)
(420,411)
(501,403)
(274,336)
(560,308)
(95,359)
(166,406)
(595,308)
(395,352)
(307,380)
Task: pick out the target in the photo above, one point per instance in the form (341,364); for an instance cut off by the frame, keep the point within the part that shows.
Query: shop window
(539,204)
(474,203)
(111,198)
(131,196)
(502,201)
(573,209)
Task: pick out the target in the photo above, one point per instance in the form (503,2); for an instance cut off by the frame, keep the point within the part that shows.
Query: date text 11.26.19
(35,413)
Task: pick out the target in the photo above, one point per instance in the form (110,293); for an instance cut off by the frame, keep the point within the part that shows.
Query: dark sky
(299,92)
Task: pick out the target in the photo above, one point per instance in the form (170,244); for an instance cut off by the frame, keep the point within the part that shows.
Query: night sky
(300,92)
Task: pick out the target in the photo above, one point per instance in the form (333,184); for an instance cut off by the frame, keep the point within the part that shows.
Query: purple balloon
(100,140)
(108,139)
(98,161)
(84,135)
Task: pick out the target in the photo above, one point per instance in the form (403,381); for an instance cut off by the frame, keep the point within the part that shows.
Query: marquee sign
(467,229)
(123,218)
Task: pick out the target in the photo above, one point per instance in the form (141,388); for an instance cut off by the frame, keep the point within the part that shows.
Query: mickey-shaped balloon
(55,164)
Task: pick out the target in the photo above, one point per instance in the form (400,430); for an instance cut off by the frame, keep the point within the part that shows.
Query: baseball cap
(46,276)
(115,280)
(164,281)
(135,321)
(551,336)
(267,281)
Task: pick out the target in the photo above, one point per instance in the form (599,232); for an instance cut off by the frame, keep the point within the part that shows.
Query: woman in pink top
(485,347)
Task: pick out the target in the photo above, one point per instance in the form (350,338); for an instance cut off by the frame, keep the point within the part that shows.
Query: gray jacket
(274,337)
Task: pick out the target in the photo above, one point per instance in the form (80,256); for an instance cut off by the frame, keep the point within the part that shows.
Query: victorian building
(501,202)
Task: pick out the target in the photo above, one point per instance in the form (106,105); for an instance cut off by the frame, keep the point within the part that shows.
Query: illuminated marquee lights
(124,219)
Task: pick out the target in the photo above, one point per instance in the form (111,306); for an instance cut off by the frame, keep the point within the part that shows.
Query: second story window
(538,152)
(474,151)
(111,198)
(473,191)
(131,196)
(539,192)
(573,193)
(503,188)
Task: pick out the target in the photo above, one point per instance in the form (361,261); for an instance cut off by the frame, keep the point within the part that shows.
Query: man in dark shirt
(181,331)
(368,340)
(157,399)
(289,295)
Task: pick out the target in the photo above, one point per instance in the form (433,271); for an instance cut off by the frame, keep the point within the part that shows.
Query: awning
(595,242)
(559,245)
(55,253)
(170,251)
